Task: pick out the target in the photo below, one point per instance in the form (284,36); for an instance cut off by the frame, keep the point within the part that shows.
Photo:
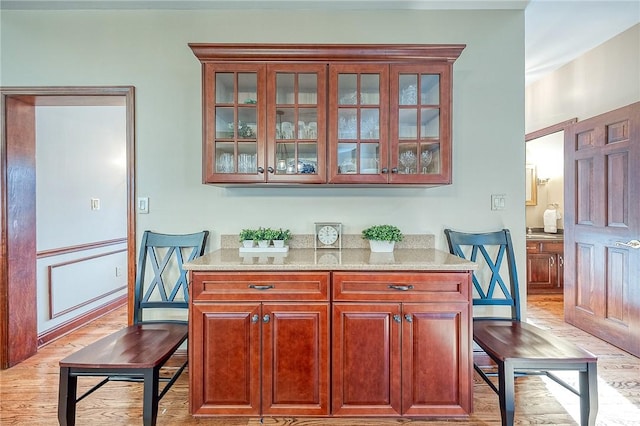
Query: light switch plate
(143,205)
(498,201)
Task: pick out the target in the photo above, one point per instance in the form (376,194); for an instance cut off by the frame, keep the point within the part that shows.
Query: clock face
(327,234)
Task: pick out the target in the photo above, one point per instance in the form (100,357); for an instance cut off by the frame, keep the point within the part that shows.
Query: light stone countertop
(349,259)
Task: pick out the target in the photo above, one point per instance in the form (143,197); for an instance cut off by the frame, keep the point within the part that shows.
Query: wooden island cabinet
(297,338)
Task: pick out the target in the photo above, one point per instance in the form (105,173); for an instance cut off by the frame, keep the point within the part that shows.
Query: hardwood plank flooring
(29,390)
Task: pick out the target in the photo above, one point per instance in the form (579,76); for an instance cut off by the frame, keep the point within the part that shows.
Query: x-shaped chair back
(494,288)
(161,281)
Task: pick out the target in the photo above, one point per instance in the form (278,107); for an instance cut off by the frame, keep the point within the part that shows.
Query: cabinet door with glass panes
(420,124)
(235,118)
(358,123)
(296,117)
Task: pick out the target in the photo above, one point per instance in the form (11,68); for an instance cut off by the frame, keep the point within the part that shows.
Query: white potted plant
(382,238)
(262,236)
(247,237)
(281,237)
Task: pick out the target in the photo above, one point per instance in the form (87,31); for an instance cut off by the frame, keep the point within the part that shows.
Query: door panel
(602,186)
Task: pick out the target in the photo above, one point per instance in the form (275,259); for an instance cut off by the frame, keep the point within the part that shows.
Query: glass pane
(308,158)
(430,123)
(224,88)
(308,89)
(428,154)
(370,123)
(285,128)
(347,158)
(430,89)
(224,123)
(307,123)
(408,89)
(284,88)
(369,158)
(408,124)
(370,89)
(347,89)
(408,159)
(347,123)
(247,88)
(225,157)
(247,157)
(285,157)
(247,123)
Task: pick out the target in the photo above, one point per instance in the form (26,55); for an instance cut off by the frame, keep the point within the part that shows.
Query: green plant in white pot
(281,237)
(262,237)
(382,238)
(246,237)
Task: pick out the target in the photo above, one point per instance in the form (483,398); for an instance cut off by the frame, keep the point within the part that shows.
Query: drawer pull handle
(261,287)
(397,318)
(401,287)
(254,318)
(408,317)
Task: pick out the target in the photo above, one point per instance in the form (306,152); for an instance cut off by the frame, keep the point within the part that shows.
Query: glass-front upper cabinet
(234,117)
(420,129)
(358,151)
(296,117)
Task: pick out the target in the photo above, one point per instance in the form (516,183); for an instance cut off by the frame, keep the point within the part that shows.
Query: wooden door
(602,187)
(224,350)
(436,361)
(366,359)
(295,359)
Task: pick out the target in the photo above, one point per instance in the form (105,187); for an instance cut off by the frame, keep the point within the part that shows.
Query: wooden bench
(139,351)
(517,348)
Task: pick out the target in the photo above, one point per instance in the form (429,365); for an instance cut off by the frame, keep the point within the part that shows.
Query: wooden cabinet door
(542,272)
(296,117)
(436,361)
(358,123)
(366,359)
(295,359)
(234,107)
(420,124)
(224,347)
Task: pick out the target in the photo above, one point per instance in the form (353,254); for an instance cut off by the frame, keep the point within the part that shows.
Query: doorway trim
(18,299)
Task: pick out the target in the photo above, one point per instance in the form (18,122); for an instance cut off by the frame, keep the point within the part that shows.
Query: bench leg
(67,389)
(150,399)
(589,395)
(506,392)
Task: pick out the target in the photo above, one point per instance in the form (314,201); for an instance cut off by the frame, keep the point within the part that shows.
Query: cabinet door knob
(397,318)
(271,169)
(552,261)
(254,318)
(394,170)
(266,318)
(401,287)
(384,170)
(260,169)
(408,317)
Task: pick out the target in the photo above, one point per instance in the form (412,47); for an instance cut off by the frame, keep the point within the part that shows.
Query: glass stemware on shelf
(425,159)
(408,161)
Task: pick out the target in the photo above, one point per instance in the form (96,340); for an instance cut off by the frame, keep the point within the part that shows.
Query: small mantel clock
(328,235)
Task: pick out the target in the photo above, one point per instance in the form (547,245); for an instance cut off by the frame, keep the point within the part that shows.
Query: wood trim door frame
(18,303)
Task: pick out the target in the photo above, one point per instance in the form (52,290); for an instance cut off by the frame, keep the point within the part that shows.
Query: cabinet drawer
(555,246)
(533,247)
(402,286)
(258,286)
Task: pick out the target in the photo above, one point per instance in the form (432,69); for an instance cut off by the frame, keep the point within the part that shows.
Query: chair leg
(589,395)
(150,398)
(506,392)
(67,389)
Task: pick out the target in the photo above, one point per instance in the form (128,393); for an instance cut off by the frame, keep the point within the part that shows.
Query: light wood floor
(29,391)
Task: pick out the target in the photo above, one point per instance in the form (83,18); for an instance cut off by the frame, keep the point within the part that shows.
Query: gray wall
(148,49)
